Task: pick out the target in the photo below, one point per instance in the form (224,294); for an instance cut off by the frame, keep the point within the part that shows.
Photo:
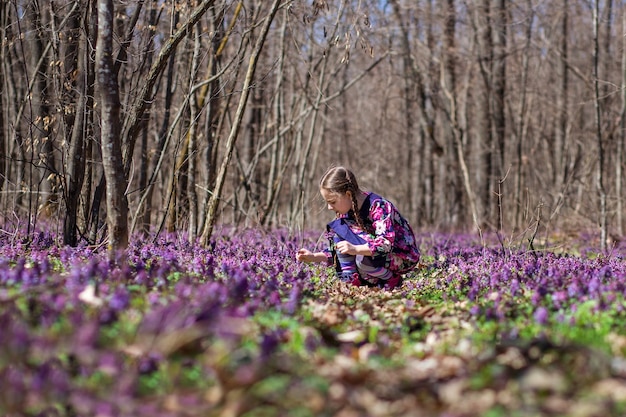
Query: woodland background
(122,117)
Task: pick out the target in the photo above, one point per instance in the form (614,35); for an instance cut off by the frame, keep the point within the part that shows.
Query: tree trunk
(412,85)
(142,216)
(116,203)
(453,203)
(522,123)
(499,106)
(619,157)
(561,148)
(144,210)
(449,87)
(92,192)
(70,71)
(146,95)
(306,150)
(602,213)
(434,150)
(4,172)
(194,107)
(211,95)
(178,205)
(76,152)
(278,163)
(499,86)
(211,216)
(485,140)
(42,119)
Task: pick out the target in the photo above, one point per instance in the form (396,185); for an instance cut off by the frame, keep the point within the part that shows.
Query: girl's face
(339,203)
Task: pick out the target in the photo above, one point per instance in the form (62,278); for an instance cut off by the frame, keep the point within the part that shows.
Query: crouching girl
(370,242)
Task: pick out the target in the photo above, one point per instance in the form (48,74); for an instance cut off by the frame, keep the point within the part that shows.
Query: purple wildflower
(541,315)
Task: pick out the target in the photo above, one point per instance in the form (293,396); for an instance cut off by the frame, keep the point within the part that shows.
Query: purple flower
(107,316)
(269,343)
(120,299)
(294,300)
(475,310)
(148,364)
(559,298)
(541,315)
(535,299)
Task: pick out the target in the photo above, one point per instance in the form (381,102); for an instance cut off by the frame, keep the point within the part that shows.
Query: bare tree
(522,122)
(483,144)
(108,92)
(619,157)
(414,106)
(456,131)
(192,195)
(81,124)
(146,181)
(277,148)
(499,88)
(143,100)
(3,92)
(42,140)
(602,214)
(561,142)
(217,192)
(434,103)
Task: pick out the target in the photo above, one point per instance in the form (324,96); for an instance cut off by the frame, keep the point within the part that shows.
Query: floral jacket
(389,235)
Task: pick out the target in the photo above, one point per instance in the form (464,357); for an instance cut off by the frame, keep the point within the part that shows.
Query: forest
(159,170)
(133,117)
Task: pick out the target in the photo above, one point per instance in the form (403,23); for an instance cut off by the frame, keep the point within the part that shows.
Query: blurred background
(484,115)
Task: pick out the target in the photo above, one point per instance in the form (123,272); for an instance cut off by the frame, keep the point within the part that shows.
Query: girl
(370,242)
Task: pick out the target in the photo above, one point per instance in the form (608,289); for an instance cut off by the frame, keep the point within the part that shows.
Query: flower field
(240,328)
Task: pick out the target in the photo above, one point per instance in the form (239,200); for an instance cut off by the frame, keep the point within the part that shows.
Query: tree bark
(76,152)
(485,138)
(499,86)
(619,157)
(602,212)
(144,215)
(42,118)
(112,163)
(521,124)
(143,211)
(69,73)
(4,173)
(561,142)
(192,151)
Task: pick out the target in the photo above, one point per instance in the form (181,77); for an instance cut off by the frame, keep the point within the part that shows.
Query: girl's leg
(379,276)
(372,273)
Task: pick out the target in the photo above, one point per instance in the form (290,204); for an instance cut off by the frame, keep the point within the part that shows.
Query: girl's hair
(340,180)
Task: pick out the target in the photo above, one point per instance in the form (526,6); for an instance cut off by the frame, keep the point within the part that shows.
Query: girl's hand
(304,255)
(345,248)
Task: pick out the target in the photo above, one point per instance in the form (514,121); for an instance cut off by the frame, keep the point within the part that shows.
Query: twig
(537,223)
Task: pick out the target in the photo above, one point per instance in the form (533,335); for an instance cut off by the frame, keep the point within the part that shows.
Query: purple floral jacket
(389,235)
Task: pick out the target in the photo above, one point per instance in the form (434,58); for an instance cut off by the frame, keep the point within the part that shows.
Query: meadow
(239,328)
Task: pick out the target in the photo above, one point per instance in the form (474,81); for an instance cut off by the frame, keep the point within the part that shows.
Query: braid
(341,180)
(357,215)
